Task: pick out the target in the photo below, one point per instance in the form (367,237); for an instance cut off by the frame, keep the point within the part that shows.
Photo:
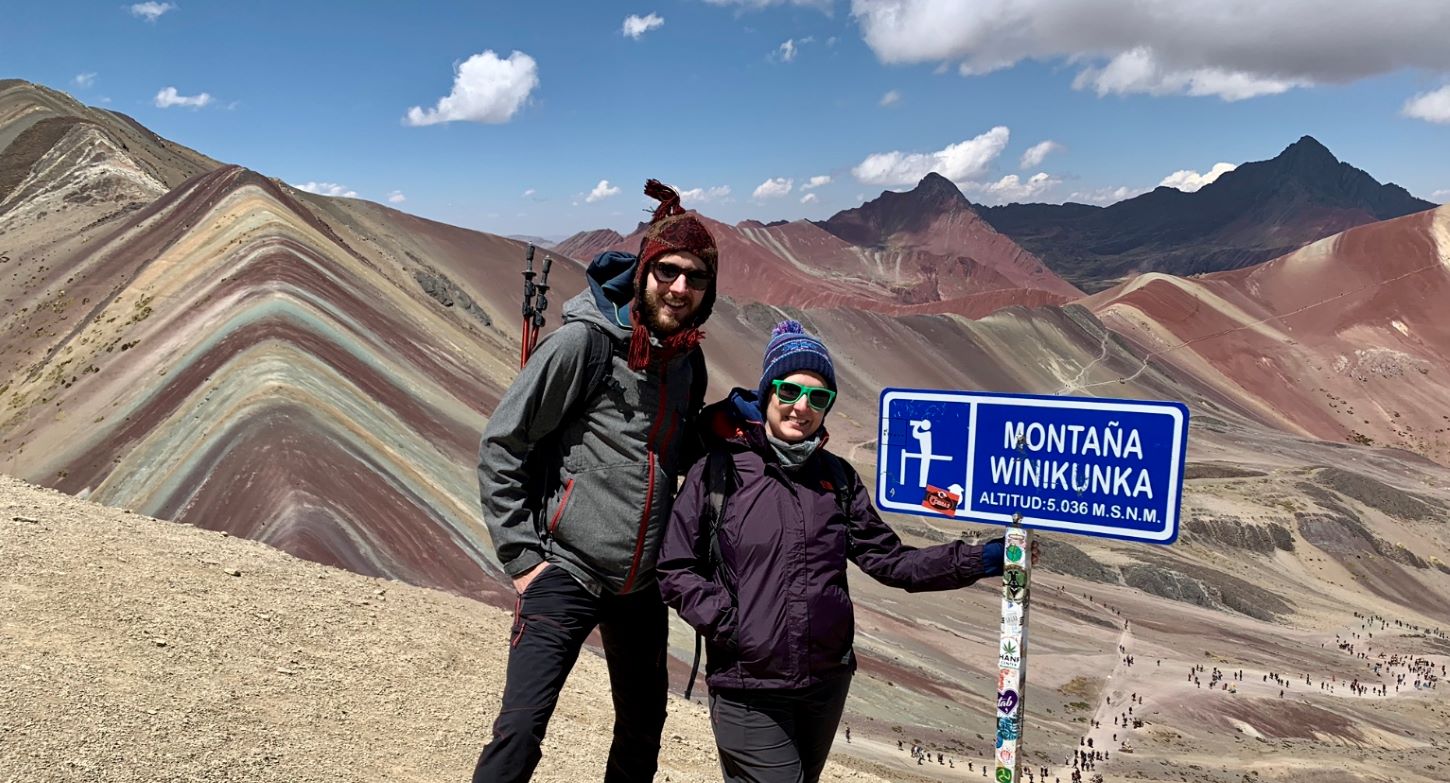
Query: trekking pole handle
(541,303)
(529,281)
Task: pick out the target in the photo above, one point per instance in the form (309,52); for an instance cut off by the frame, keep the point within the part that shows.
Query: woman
(765,583)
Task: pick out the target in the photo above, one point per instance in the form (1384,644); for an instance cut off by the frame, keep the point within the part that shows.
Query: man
(577,471)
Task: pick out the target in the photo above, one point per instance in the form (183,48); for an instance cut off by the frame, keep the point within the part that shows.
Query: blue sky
(709,95)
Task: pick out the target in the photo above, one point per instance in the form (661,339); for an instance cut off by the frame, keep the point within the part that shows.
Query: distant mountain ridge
(1256,212)
(584,245)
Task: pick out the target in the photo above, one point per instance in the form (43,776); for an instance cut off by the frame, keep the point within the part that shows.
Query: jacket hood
(734,421)
(610,293)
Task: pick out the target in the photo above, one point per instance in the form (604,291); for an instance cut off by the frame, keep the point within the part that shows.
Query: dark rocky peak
(938,190)
(1308,168)
(873,222)
(1307,153)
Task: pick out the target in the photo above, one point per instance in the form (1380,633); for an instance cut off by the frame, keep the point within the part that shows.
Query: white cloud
(636,26)
(151,11)
(1430,106)
(486,89)
(891,97)
(1193,47)
(602,191)
(704,195)
(773,188)
(1139,71)
(816,181)
(529,192)
(1189,181)
(786,52)
(327,189)
(1105,196)
(396,197)
(1012,188)
(1034,154)
(84,79)
(809,198)
(957,162)
(1441,196)
(169,97)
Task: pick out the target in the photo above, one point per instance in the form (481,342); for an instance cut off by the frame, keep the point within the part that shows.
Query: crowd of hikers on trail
(578,471)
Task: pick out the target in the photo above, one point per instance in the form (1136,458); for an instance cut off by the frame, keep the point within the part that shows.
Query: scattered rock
(1218,470)
(1377,495)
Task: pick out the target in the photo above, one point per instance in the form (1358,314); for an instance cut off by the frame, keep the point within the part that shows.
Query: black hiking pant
(554,617)
(777,735)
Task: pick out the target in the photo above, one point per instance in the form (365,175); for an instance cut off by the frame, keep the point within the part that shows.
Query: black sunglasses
(697,279)
(819,397)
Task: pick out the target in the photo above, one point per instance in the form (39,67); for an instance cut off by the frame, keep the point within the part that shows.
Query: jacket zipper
(649,484)
(559,512)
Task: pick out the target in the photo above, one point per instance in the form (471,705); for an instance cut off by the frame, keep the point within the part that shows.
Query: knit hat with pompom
(792,350)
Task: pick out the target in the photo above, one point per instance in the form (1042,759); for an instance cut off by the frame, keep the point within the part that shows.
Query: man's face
(669,306)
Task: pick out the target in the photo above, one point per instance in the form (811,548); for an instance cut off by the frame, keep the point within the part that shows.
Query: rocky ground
(143,650)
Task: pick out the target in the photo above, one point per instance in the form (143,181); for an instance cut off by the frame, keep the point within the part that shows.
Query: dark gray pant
(555,615)
(777,735)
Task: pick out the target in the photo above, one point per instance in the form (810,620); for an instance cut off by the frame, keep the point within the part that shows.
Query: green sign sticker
(1014,553)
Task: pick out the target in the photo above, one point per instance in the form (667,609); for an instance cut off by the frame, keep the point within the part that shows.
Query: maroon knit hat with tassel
(671,230)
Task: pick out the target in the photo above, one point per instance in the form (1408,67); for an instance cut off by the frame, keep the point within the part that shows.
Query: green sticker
(1014,553)
(1004,775)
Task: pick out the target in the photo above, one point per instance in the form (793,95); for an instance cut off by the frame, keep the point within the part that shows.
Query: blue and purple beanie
(792,350)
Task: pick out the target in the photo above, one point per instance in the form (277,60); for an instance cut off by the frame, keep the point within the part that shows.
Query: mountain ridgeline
(1256,212)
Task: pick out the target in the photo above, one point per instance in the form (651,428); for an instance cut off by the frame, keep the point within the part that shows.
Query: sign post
(1089,466)
(1012,652)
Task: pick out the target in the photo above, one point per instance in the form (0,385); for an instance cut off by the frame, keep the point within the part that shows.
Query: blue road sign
(1092,466)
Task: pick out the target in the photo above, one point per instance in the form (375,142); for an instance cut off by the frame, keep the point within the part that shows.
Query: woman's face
(796,421)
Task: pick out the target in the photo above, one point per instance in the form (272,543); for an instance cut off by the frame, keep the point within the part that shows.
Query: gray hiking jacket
(584,478)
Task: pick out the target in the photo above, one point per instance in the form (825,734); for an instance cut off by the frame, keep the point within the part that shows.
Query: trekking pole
(541,303)
(1012,657)
(528,305)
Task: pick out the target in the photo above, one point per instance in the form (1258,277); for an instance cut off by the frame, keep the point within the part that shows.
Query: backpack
(599,356)
(720,481)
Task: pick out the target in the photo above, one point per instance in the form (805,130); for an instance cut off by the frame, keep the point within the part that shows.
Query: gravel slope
(142,650)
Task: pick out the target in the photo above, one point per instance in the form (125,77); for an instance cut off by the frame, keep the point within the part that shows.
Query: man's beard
(659,319)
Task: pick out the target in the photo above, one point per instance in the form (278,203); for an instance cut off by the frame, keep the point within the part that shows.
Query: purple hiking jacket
(789,622)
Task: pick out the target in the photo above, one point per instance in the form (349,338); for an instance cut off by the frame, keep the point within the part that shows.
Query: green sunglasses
(788,392)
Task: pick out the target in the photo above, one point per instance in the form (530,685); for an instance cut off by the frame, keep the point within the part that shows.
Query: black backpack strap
(699,379)
(692,445)
(719,475)
(599,358)
(843,481)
